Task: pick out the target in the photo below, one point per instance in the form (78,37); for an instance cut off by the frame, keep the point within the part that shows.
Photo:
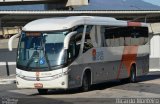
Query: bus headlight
(63,83)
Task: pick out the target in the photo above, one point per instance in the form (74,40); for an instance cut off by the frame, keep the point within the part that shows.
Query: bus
(79,51)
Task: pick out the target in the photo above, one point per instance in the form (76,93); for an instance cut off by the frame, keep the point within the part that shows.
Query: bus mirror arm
(67,39)
(10,42)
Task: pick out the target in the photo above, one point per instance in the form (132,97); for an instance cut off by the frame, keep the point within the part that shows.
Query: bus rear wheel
(132,77)
(85,83)
(42,91)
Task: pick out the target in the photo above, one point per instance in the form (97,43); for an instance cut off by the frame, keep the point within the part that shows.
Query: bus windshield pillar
(83,39)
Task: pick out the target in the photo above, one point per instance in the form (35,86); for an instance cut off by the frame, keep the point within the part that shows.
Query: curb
(7,81)
(9,63)
(154,70)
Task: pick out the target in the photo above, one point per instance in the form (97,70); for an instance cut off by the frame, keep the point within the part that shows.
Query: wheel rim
(133,76)
(85,84)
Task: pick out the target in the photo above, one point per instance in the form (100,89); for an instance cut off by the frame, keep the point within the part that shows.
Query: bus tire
(125,80)
(85,83)
(42,91)
(133,75)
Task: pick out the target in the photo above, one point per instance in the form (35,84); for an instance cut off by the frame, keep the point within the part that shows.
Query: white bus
(79,51)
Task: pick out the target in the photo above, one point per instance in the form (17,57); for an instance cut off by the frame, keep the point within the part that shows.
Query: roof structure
(20,18)
(19,13)
(51,24)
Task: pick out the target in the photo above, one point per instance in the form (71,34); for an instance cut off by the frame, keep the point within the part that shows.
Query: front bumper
(58,83)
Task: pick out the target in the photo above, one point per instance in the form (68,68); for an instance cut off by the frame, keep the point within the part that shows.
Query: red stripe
(134,24)
(128,57)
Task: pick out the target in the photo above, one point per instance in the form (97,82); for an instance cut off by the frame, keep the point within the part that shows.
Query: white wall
(155,46)
(154,30)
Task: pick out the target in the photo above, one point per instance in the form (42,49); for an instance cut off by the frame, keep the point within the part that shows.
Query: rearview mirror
(10,42)
(67,39)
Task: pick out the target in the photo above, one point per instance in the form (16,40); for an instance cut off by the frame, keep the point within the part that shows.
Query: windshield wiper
(45,55)
(35,53)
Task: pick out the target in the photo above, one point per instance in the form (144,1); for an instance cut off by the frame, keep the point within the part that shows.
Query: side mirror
(67,39)
(10,42)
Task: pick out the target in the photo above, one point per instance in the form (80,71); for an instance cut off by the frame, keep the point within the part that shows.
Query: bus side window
(71,49)
(116,39)
(88,42)
(145,35)
(127,36)
(78,39)
(112,40)
(112,36)
(74,46)
(134,36)
(143,31)
(107,35)
(94,36)
(138,35)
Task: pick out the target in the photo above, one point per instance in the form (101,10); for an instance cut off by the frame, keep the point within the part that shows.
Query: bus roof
(63,23)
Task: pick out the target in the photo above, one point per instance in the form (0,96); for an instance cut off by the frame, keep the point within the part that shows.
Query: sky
(155,2)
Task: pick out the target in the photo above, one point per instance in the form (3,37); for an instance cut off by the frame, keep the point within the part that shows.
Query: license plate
(38,85)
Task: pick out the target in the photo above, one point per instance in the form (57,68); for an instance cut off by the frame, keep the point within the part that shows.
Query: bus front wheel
(85,83)
(42,91)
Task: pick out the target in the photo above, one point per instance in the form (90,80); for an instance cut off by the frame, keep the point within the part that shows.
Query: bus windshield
(41,50)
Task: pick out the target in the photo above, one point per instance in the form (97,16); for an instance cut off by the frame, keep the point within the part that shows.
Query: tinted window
(124,36)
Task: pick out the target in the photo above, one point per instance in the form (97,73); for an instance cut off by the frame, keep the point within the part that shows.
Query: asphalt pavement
(7,57)
(111,92)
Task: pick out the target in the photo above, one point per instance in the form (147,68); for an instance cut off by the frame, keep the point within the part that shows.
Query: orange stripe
(128,58)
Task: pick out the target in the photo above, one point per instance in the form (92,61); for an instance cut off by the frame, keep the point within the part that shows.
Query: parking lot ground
(148,86)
